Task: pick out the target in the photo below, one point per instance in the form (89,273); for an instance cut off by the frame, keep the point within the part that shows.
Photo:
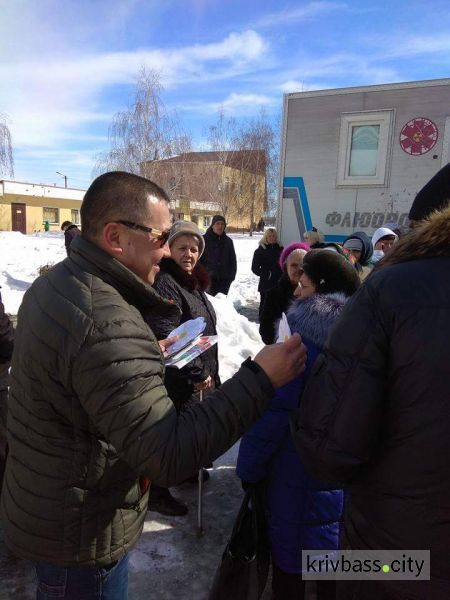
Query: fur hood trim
(428,240)
(313,317)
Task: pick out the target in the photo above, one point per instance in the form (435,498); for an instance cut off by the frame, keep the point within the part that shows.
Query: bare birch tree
(143,133)
(6,151)
(258,141)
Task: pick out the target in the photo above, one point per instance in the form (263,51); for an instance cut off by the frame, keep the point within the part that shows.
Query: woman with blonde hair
(265,263)
(313,237)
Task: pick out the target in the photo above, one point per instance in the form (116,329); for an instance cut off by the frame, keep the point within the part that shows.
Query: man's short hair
(387,238)
(117,195)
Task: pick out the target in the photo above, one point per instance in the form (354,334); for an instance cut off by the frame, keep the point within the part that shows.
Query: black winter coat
(187,292)
(277,301)
(219,257)
(376,412)
(265,266)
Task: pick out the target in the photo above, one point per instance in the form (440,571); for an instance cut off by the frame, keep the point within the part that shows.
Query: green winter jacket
(89,417)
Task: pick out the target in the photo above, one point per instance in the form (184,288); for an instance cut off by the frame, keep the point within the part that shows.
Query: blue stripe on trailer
(299,184)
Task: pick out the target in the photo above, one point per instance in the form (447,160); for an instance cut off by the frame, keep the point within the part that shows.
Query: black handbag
(242,573)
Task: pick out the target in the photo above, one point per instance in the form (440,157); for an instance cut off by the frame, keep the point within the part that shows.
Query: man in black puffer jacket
(89,419)
(219,257)
(376,413)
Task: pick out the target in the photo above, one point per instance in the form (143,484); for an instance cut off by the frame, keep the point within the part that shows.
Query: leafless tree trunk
(146,131)
(6,151)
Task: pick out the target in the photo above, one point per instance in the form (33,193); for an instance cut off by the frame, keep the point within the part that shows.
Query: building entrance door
(19,217)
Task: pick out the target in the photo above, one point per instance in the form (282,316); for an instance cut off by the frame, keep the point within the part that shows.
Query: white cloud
(414,46)
(291,86)
(47,100)
(302,13)
(236,104)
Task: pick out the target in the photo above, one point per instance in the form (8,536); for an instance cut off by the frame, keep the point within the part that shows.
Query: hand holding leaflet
(186,333)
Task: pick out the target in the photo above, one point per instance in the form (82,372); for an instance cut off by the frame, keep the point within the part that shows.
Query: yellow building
(25,207)
(201,184)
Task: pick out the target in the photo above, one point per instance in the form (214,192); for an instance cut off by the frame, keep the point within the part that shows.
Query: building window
(179,216)
(50,214)
(364,148)
(206,220)
(75,216)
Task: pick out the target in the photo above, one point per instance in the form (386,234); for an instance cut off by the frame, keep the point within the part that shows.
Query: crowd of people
(346,423)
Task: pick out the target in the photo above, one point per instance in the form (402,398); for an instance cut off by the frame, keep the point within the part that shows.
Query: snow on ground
(22,255)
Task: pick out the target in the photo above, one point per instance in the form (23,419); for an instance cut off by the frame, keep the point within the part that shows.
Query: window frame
(206,220)
(44,208)
(76,221)
(383,118)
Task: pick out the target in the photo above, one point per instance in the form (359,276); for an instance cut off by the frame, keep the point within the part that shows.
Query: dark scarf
(198,280)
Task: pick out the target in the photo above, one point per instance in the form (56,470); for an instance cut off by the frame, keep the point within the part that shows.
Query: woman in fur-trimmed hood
(382,427)
(304,513)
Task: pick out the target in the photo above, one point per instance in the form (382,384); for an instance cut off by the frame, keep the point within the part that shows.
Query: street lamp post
(65,178)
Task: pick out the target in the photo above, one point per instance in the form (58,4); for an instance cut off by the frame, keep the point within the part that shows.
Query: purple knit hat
(290,248)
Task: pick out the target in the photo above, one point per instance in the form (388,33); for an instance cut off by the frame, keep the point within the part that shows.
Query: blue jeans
(82,583)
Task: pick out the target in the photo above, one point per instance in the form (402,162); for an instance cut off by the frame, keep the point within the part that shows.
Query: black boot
(162,501)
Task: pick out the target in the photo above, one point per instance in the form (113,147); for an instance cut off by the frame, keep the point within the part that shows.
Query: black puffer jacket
(265,266)
(219,257)
(89,418)
(277,301)
(376,412)
(187,292)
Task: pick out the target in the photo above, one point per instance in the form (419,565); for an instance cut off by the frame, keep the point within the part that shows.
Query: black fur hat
(330,272)
(435,195)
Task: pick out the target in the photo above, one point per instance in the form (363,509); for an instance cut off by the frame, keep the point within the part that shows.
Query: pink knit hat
(290,248)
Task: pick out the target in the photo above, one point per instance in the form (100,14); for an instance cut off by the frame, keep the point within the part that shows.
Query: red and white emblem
(418,136)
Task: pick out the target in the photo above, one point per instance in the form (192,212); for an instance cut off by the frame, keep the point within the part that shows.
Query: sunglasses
(160,236)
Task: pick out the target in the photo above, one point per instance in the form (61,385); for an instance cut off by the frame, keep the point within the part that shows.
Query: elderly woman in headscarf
(265,263)
(282,294)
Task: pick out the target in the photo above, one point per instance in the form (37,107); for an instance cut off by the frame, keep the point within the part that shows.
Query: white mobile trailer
(353,159)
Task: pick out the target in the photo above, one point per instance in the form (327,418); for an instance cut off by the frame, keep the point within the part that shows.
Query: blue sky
(67,66)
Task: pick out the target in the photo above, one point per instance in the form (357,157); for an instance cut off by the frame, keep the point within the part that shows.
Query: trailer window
(364,148)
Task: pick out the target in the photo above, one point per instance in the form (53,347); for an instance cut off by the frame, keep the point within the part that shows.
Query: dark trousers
(288,586)
(83,583)
(219,286)
(263,296)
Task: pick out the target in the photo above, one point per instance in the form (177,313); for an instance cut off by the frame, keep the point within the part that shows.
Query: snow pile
(238,337)
(22,255)
(244,289)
